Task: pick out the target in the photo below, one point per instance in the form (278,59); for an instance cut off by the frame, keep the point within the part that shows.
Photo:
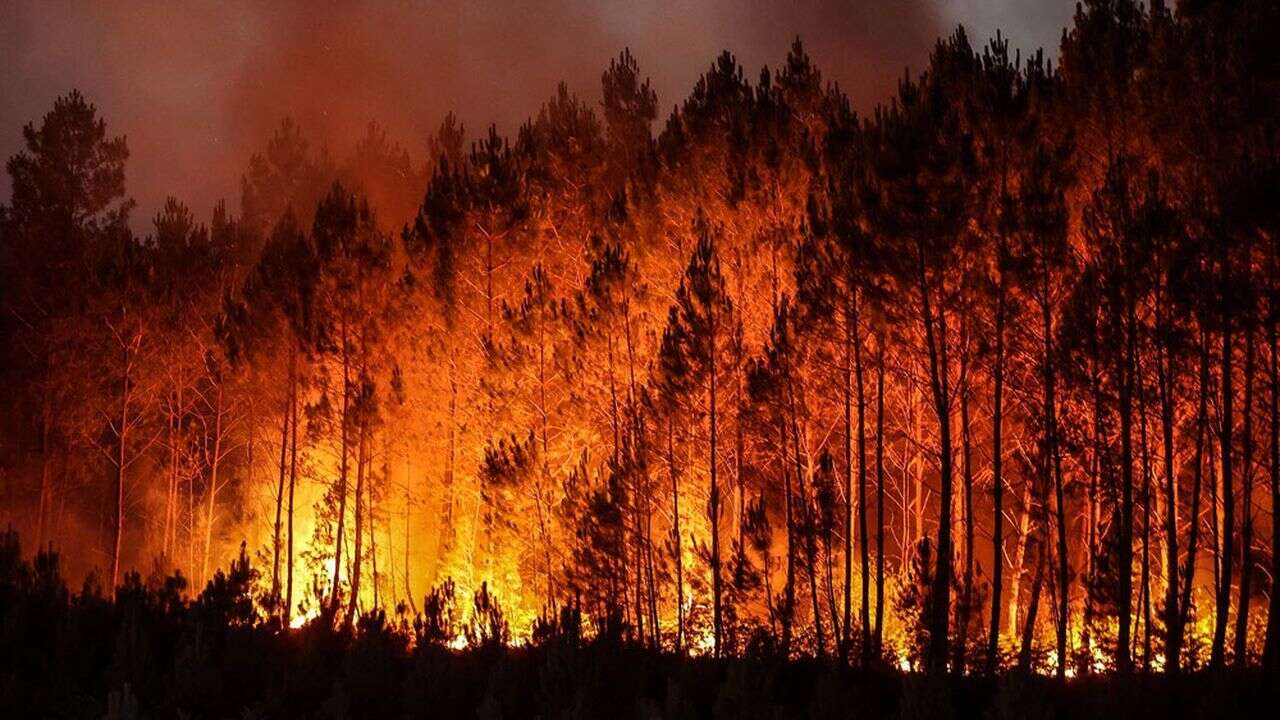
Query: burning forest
(758,407)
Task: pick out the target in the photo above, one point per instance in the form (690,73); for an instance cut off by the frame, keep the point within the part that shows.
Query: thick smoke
(198,88)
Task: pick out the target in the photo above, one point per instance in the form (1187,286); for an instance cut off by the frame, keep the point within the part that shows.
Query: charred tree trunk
(1124,577)
(1246,506)
(997,486)
(1222,605)
(1167,376)
(862,498)
(936,345)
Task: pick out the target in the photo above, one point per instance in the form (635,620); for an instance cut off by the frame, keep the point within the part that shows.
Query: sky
(197,87)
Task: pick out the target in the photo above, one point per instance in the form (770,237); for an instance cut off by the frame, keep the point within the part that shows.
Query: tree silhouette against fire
(985,383)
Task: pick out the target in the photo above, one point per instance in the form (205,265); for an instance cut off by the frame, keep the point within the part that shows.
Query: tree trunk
(1033,607)
(675,534)
(362,469)
(1124,579)
(1271,645)
(713,503)
(344,441)
(121,465)
(966,603)
(789,589)
(1222,606)
(1054,465)
(940,597)
(215,462)
(1246,507)
(280,490)
(879,628)
(293,477)
(997,487)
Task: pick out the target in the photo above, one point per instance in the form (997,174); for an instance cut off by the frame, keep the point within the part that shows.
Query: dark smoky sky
(198,86)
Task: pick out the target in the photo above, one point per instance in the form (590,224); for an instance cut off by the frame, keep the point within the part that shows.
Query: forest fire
(754,407)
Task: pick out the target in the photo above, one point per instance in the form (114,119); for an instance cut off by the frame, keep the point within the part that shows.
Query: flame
(299,621)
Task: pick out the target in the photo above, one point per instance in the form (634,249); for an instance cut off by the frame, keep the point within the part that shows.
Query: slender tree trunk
(675,533)
(789,590)
(45,473)
(878,640)
(997,486)
(940,597)
(962,638)
(280,490)
(121,465)
(1125,372)
(849,331)
(1223,596)
(1054,465)
(343,433)
(215,462)
(1020,557)
(810,524)
(1246,507)
(358,506)
(1271,645)
(1033,607)
(293,478)
(1197,476)
(1172,613)
(713,505)
(1146,531)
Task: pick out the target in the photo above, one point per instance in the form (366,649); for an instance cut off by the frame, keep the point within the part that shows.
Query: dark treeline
(986,379)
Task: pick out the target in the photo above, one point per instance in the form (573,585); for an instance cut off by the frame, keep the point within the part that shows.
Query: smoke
(198,87)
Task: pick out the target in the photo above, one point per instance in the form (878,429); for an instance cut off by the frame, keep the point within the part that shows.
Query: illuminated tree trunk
(789,589)
(1053,464)
(357,556)
(713,504)
(862,495)
(215,462)
(675,535)
(121,463)
(293,478)
(46,480)
(849,370)
(1167,377)
(1099,477)
(964,611)
(1271,644)
(810,524)
(344,454)
(880,437)
(408,506)
(1145,591)
(174,429)
(1020,558)
(280,489)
